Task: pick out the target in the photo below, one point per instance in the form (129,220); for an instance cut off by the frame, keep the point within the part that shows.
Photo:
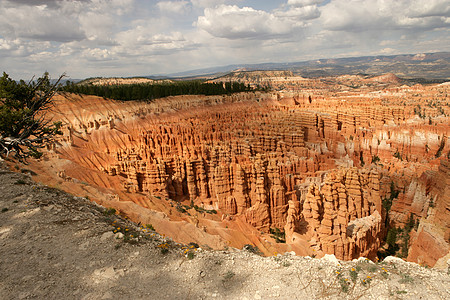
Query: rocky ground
(57,246)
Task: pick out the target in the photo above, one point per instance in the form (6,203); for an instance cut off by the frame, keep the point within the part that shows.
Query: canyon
(315,166)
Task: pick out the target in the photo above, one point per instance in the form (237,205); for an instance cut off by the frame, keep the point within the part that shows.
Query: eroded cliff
(314,160)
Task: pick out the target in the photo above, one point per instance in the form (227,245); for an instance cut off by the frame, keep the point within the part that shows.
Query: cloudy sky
(86,38)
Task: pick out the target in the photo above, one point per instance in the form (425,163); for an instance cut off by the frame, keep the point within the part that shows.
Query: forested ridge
(143,91)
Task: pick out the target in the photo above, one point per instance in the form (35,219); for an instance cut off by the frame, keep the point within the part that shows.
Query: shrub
(441,147)
(26,171)
(391,237)
(180,208)
(251,248)
(109,211)
(366,280)
(164,248)
(405,278)
(344,283)
(353,274)
(278,235)
(193,245)
(361,159)
(228,275)
(375,159)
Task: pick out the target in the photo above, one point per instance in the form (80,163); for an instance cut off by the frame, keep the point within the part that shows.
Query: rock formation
(314,159)
(431,205)
(343,215)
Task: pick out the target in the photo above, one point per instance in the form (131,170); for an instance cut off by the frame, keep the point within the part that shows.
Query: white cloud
(98,26)
(37,22)
(301,3)
(132,37)
(146,40)
(388,51)
(211,3)
(232,22)
(176,7)
(429,8)
(300,13)
(97,54)
(376,15)
(8,44)
(116,7)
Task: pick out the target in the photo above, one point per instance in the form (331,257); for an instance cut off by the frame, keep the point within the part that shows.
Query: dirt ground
(57,246)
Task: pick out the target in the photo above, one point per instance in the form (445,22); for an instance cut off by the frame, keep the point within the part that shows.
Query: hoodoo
(312,166)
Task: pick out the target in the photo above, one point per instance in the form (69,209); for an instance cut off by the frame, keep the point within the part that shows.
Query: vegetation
(202,210)
(252,249)
(405,236)
(278,235)
(397,239)
(109,211)
(190,255)
(164,248)
(150,227)
(398,155)
(441,147)
(391,239)
(154,91)
(375,159)
(228,275)
(387,202)
(418,111)
(282,260)
(181,209)
(353,275)
(406,278)
(24,127)
(431,204)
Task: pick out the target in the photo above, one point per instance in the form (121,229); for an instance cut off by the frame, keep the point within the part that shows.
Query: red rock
(289,159)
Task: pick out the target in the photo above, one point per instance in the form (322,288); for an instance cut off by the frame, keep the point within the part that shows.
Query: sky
(89,38)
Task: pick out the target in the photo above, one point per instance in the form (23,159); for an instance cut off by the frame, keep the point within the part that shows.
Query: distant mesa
(423,65)
(419,56)
(387,78)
